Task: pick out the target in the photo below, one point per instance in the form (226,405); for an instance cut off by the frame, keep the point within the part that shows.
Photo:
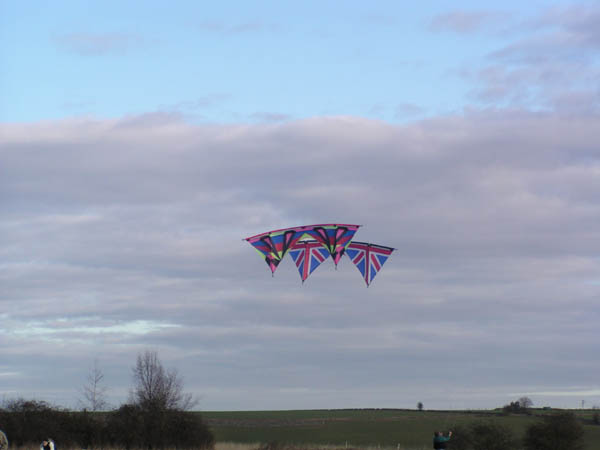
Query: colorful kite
(308,255)
(368,258)
(273,245)
(310,245)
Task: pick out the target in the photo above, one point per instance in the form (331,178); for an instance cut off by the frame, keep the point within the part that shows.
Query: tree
(159,416)
(525,402)
(512,407)
(158,389)
(555,432)
(519,407)
(94,393)
(420,406)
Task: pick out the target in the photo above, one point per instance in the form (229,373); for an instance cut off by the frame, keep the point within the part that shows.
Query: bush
(483,436)
(134,427)
(125,427)
(28,422)
(461,438)
(556,432)
(492,436)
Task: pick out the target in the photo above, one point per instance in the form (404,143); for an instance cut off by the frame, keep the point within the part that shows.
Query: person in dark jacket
(439,440)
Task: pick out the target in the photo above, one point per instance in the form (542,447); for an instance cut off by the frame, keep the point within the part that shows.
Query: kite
(368,258)
(310,245)
(274,245)
(308,255)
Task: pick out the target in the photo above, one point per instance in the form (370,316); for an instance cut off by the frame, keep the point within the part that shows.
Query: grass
(384,429)
(259,446)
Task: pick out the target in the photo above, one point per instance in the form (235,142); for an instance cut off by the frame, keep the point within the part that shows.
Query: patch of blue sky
(235,61)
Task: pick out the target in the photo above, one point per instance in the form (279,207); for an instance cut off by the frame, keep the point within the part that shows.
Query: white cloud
(571,393)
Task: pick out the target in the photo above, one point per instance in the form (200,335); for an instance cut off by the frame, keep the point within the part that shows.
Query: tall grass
(258,446)
(275,446)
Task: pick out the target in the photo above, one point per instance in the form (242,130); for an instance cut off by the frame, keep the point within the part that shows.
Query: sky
(141,142)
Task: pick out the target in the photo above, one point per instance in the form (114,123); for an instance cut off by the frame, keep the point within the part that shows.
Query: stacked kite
(310,245)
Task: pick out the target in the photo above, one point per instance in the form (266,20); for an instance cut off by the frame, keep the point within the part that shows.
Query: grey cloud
(100,44)
(408,110)
(579,21)
(252,27)
(463,22)
(549,63)
(119,235)
(207,101)
(271,117)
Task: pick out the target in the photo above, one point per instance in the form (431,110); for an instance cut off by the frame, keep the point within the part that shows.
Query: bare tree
(525,402)
(158,389)
(94,393)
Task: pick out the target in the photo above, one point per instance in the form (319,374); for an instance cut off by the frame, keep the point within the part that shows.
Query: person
(3,441)
(439,440)
(47,444)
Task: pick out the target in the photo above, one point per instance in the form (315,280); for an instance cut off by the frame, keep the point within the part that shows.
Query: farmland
(378,428)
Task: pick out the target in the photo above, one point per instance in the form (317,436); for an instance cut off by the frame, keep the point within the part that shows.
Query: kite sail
(274,245)
(334,238)
(308,255)
(368,258)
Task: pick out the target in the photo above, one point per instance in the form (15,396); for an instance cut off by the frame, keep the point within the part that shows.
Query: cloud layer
(122,235)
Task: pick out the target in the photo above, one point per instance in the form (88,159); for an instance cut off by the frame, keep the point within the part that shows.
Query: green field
(390,428)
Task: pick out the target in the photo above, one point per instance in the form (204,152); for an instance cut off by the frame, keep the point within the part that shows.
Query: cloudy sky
(141,142)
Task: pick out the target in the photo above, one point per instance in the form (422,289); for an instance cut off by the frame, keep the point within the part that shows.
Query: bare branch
(93,392)
(155,388)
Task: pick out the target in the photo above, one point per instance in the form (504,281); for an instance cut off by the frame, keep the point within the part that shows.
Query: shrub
(556,432)
(28,422)
(483,436)
(461,438)
(492,436)
(134,427)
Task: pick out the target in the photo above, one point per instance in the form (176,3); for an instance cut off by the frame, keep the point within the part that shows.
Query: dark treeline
(157,416)
(562,431)
(28,422)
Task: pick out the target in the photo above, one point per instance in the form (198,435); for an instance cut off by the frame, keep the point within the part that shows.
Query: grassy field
(375,428)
